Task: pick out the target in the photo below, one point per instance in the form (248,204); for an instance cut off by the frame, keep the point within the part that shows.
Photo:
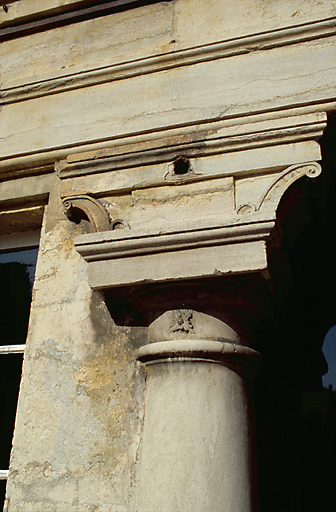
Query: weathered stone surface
(147,31)
(77,401)
(103,109)
(71,49)
(266,80)
(199,22)
(206,417)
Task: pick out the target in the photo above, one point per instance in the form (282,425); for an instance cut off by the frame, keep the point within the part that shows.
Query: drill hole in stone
(181,166)
(119,224)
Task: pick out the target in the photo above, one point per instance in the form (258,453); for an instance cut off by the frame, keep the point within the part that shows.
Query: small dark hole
(117,225)
(181,166)
(5,8)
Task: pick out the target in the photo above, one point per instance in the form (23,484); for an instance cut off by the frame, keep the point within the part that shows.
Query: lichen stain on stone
(94,375)
(106,377)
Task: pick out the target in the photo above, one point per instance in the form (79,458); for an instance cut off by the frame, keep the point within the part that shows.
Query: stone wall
(104,108)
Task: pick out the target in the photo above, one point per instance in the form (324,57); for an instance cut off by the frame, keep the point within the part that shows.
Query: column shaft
(197,448)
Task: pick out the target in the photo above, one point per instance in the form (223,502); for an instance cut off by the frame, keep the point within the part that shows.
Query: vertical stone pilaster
(197,452)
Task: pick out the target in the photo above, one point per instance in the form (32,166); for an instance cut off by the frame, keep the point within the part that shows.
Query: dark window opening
(17,270)
(329,351)
(295,405)
(10,375)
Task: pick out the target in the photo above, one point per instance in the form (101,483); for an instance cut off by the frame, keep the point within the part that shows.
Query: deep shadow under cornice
(69,14)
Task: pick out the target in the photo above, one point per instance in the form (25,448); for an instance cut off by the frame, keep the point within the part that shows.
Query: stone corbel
(85,207)
(270,199)
(279,186)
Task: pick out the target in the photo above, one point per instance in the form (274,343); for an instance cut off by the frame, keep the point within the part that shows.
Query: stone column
(197,451)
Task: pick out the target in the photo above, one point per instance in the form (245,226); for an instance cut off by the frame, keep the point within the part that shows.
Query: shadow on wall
(295,405)
(329,351)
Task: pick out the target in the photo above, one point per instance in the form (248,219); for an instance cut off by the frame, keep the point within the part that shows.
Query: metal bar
(12,349)
(4,474)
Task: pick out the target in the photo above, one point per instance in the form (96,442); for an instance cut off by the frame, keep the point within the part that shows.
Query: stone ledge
(219,136)
(127,243)
(185,57)
(137,147)
(177,264)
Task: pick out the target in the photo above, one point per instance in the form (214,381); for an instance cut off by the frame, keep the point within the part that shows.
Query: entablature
(197,203)
(248,162)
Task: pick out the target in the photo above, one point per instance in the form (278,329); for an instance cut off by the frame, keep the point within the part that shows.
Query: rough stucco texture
(78,403)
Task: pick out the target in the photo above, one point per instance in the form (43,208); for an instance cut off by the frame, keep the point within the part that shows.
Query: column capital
(220,309)
(187,335)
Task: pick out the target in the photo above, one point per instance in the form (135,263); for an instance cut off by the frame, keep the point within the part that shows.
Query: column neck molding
(232,355)
(183,335)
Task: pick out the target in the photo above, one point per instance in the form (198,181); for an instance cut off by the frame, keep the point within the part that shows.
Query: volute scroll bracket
(85,207)
(269,201)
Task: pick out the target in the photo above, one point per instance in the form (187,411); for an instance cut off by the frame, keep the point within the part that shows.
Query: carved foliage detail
(182,320)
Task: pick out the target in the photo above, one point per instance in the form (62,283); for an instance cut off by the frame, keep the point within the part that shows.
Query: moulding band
(223,352)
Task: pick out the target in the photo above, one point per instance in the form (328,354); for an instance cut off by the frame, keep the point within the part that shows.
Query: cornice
(185,57)
(305,122)
(204,139)
(113,245)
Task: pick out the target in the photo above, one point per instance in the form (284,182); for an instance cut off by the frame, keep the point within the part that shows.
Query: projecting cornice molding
(183,252)
(106,245)
(189,56)
(251,131)
(217,137)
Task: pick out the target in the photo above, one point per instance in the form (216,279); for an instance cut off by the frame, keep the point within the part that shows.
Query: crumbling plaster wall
(78,421)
